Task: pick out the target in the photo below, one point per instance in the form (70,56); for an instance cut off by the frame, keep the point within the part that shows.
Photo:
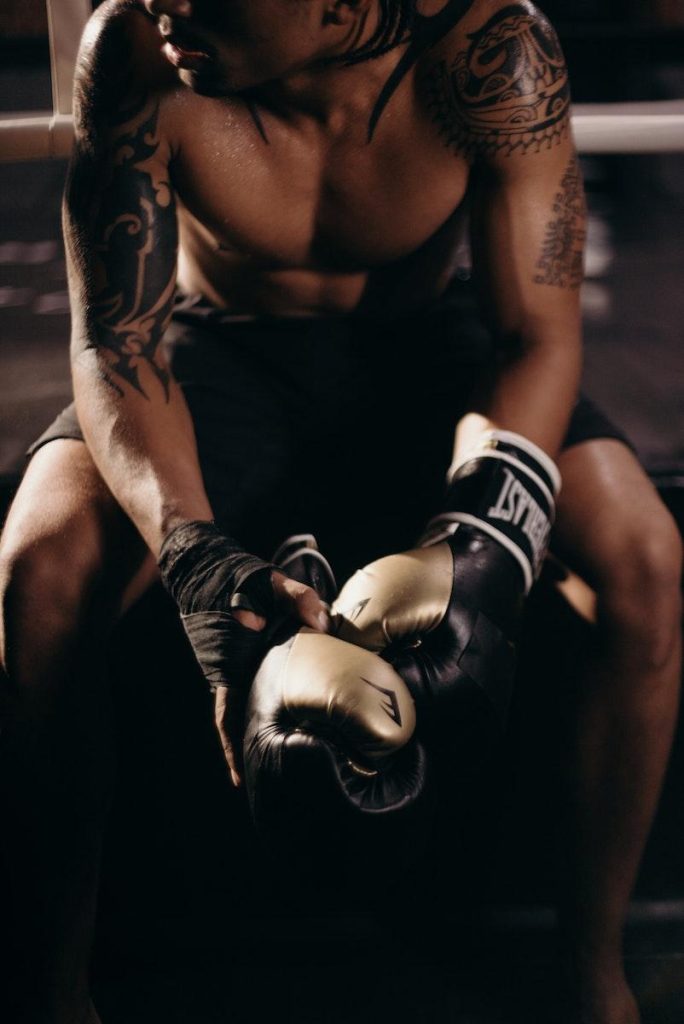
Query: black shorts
(338,426)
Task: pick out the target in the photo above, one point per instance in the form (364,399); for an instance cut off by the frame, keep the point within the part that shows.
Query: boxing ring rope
(649,127)
(655,127)
(42,134)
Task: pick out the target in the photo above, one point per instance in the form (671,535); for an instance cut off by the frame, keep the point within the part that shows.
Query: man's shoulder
(120,52)
(497,83)
(499,21)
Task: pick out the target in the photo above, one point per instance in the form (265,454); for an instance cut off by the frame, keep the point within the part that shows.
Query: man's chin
(207,85)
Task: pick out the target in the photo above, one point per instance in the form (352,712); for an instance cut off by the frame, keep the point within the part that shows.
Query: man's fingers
(231,761)
(249,619)
(303,602)
(297,599)
(226,716)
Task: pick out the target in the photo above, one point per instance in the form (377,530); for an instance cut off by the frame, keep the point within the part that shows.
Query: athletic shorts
(340,426)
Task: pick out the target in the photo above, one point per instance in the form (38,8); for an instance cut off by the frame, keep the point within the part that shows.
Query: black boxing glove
(446,615)
(209,575)
(506,487)
(331,766)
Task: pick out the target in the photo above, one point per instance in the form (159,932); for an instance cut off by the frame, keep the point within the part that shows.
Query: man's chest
(306,199)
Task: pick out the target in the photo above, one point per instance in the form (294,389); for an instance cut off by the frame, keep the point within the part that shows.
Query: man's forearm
(145,451)
(531,393)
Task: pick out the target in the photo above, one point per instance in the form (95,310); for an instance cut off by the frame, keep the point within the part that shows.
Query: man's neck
(332,94)
(330,91)
(335,93)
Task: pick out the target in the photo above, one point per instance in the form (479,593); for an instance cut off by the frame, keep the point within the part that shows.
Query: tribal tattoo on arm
(507,92)
(122,221)
(560,261)
(504,97)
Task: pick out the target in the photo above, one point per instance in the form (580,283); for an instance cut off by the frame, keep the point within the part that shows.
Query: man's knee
(639,592)
(46,584)
(67,554)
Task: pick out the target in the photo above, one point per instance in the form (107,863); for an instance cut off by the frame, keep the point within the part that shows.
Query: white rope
(38,135)
(35,136)
(656,127)
(66,21)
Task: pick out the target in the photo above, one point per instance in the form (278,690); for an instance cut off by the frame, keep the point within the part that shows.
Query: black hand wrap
(208,574)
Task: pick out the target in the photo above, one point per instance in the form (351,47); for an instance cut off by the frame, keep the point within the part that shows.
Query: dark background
(186,934)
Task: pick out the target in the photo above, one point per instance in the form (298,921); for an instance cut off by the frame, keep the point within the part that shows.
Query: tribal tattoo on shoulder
(560,261)
(507,92)
(131,231)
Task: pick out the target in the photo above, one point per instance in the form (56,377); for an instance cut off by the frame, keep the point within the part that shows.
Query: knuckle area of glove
(372,714)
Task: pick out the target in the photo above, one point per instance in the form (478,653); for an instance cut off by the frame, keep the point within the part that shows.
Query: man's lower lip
(191,60)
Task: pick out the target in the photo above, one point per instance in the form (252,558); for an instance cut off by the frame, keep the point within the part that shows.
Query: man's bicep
(512,96)
(528,230)
(120,231)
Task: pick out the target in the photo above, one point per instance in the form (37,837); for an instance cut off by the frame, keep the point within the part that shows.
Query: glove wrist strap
(507,444)
(506,487)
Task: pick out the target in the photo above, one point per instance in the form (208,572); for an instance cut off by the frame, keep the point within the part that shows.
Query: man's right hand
(302,604)
(226,598)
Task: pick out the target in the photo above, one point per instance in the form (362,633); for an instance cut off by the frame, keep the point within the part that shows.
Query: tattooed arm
(503,101)
(120,230)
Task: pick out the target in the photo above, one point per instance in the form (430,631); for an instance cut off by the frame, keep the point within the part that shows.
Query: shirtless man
(303,163)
